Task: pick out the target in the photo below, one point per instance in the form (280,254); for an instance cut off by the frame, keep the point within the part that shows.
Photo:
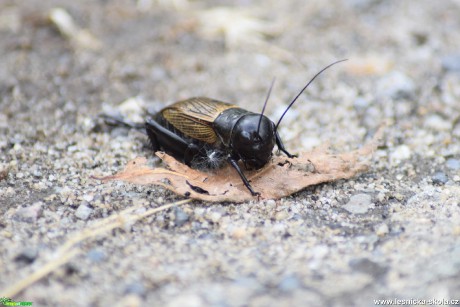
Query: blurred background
(63,63)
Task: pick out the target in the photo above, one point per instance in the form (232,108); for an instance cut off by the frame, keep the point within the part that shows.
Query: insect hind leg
(162,138)
(117,121)
(152,138)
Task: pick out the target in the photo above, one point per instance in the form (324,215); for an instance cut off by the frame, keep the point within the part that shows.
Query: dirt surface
(391,233)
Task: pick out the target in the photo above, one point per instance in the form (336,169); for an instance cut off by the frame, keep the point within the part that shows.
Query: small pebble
(3,173)
(3,121)
(199,212)
(215,216)
(158,73)
(397,86)
(130,300)
(439,178)
(27,255)
(8,192)
(135,288)
(270,204)
(436,122)
(382,230)
(239,233)
(289,283)
(361,103)
(181,217)
(451,62)
(361,4)
(83,212)
(96,255)
(29,214)
(186,300)
(367,266)
(381,197)
(37,173)
(73,148)
(359,204)
(456,231)
(17,147)
(400,153)
(281,215)
(88,197)
(242,288)
(320,251)
(132,108)
(453,164)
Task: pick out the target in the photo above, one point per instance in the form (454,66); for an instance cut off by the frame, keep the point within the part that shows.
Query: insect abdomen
(195,153)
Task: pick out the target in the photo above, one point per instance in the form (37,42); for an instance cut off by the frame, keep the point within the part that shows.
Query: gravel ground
(393,232)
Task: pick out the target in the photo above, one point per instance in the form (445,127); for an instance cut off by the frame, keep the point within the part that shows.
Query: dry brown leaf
(281,177)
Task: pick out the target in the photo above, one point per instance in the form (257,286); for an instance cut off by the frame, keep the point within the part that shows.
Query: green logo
(6,301)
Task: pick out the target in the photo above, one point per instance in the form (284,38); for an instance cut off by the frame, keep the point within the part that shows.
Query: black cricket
(205,133)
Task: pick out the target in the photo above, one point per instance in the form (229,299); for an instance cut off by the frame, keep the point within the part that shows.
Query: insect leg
(171,143)
(153,139)
(281,147)
(116,121)
(233,162)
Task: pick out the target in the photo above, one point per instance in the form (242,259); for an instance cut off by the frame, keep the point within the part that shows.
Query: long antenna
(304,88)
(265,104)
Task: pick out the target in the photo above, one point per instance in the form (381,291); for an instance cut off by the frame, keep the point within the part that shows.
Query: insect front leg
(281,147)
(234,162)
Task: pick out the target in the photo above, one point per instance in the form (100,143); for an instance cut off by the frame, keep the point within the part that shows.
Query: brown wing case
(194,117)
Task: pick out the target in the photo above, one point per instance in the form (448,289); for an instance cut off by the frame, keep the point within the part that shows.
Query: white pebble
(382,230)
(400,153)
(359,204)
(83,212)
